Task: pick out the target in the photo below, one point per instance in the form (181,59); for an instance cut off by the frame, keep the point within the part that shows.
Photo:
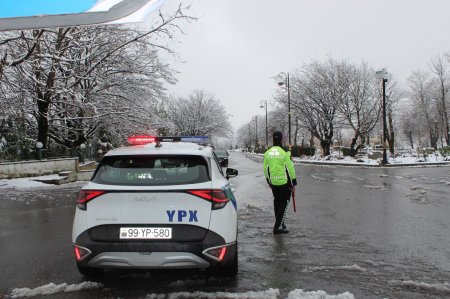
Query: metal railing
(15,154)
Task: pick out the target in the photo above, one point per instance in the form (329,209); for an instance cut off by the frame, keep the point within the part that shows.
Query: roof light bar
(195,139)
(141,140)
(144,139)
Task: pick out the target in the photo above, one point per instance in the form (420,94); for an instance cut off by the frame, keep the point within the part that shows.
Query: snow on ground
(28,182)
(337,160)
(365,161)
(300,294)
(51,288)
(326,268)
(333,159)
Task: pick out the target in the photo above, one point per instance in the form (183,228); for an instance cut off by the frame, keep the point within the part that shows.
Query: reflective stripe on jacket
(278,165)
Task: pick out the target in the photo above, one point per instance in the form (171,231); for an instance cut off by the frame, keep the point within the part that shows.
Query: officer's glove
(294,182)
(268,182)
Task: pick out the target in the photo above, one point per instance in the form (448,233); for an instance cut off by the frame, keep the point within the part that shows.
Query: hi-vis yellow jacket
(278,166)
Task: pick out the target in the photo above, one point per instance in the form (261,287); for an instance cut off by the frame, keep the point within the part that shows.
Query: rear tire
(90,272)
(231,270)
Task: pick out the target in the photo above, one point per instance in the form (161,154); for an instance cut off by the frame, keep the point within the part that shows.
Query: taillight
(217,196)
(85,196)
(80,252)
(216,253)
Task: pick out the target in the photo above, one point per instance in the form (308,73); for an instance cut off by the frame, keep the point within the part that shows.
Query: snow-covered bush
(445,151)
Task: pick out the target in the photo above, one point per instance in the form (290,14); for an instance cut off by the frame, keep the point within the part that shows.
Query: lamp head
(382,74)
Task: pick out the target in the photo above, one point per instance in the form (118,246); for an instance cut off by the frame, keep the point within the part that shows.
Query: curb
(397,165)
(66,177)
(259,157)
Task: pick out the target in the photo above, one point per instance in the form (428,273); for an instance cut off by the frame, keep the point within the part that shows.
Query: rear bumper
(153,254)
(148,260)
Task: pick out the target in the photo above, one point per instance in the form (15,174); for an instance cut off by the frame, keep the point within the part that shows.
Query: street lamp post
(249,138)
(256,131)
(82,148)
(99,154)
(39,147)
(286,82)
(263,104)
(384,76)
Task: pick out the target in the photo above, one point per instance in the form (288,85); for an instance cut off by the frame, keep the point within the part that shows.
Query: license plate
(146,233)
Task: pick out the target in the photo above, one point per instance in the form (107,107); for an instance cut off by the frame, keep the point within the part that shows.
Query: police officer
(280,175)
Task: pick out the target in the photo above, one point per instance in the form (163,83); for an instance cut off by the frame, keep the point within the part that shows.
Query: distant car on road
(158,205)
(222,156)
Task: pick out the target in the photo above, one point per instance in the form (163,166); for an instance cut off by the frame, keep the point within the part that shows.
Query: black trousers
(281,197)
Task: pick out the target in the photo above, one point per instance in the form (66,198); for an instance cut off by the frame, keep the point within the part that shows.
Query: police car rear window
(151,170)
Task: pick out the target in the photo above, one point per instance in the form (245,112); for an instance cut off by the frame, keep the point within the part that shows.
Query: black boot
(280,231)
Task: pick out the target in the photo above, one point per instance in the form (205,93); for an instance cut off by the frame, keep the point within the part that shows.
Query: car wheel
(230,270)
(90,272)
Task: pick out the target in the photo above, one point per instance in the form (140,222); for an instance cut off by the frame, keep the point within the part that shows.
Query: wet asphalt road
(376,233)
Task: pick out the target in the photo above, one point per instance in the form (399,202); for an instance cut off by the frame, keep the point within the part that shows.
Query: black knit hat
(277,136)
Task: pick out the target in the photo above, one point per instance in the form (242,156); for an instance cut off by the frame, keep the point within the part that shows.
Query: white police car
(157,205)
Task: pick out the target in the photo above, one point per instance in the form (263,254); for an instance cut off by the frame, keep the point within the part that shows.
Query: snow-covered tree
(422,93)
(73,81)
(360,108)
(316,91)
(198,114)
(243,136)
(439,68)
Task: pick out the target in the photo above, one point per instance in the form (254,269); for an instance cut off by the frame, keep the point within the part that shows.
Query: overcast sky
(236,46)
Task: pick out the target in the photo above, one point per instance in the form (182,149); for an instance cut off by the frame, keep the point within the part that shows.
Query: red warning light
(141,140)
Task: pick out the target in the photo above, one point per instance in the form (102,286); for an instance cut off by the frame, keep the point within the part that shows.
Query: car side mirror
(231,173)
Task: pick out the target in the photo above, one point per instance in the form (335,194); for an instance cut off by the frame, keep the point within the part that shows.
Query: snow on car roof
(166,148)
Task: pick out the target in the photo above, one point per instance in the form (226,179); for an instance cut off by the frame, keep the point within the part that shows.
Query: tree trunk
(325,145)
(433,141)
(42,119)
(447,129)
(353,150)
(296,133)
(433,136)
(410,139)
(352,146)
(444,115)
